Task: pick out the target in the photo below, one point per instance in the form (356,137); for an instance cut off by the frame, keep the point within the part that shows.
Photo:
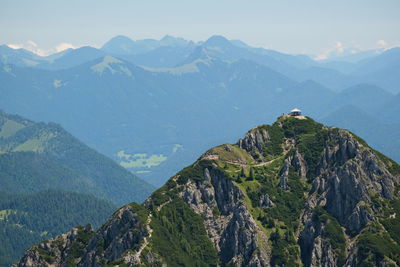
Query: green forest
(26,219)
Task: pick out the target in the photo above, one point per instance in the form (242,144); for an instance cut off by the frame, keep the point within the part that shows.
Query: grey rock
(265,201)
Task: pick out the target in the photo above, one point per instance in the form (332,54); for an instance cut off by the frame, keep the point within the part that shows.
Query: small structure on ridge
(295,112)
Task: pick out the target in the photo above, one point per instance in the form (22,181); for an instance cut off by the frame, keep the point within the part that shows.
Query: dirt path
(146,239)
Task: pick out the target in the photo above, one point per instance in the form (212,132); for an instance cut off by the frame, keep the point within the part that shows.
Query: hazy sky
(316,27)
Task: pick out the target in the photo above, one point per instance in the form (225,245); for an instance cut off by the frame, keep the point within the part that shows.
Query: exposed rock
(233,232)
(316,249)
(284,174)
(265,201)
(299,164)
(254,139)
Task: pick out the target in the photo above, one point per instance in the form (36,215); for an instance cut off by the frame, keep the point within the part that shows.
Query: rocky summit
(295,193)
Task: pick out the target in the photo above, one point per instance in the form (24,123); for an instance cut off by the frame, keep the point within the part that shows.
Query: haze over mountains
(50,182)
(155,105)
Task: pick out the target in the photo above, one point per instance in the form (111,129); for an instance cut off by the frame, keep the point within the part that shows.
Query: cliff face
(293,193)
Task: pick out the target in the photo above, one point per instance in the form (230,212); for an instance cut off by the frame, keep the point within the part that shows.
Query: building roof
(295,110)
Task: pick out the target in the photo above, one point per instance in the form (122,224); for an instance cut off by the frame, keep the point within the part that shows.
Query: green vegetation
(37,144)
(231,153)
(374,245)
(140,160)
(28,172)
(285,251)
(287,204)
(42,215)
(293,127)
(40,156)
(274,146)
(334,233)
(10,127)
(140,211)
(311,146)
(160,196)
(14,240)
(194,172)
(391,219)
(81,241)
(112,65)
(280,220)
(180,238)
(311,139)
(393,167)
(45,254)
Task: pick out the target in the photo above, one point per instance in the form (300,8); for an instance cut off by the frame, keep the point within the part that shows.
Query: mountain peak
(119,45)
(119,39)
(217,40)
(112,65)
(284,191)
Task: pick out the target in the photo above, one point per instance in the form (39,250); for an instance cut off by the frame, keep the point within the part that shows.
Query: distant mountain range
(154,105)
(43,156)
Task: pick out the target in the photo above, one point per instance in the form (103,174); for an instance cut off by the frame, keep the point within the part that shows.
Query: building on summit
(295,112)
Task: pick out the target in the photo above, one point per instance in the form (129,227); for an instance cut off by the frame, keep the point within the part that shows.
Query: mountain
(71,58)
(164,53)
(354,56)
(220,47)
(26,219)
(389,58)
(43,156)
(122,45)
(50,181)
(119,45)
(377,67)
(382,70)
(103,102)
(169,40)
(389,111)
(20,57)
(287,194)
(296,67)
(162,57)
(369,98)
(107,101)
(370,127)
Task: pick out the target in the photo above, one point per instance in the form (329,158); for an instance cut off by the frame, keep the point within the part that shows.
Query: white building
(295,112)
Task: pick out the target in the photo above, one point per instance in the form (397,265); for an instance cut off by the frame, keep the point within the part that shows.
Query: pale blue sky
(297,26)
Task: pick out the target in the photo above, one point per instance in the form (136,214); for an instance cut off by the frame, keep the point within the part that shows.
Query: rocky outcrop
(265,201)
(84,247)
(298,165)
(57,251)
(348,173)
(254,140)
(125,230)
(316,249)
(233,231)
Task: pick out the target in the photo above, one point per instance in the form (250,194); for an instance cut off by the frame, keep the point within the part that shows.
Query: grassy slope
(60,152)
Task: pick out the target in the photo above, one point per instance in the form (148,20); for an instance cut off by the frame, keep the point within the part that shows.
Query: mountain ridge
(237,91)
(294,192)
(47,150)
